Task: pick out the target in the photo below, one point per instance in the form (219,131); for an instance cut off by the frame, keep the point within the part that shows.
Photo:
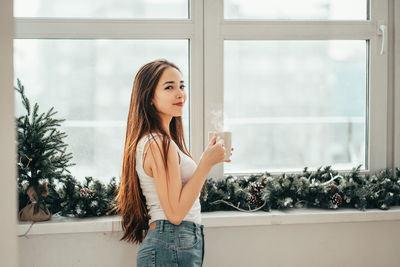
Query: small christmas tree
(42,156)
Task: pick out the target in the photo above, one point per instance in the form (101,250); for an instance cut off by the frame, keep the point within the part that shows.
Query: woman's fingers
(213,140)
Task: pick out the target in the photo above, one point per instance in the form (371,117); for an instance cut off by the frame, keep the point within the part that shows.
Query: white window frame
(216,30)
(206,31)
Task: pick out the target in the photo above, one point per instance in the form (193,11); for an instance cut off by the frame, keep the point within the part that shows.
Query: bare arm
(176,200)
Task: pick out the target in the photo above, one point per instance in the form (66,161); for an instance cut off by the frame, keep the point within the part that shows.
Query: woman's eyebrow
(171,82)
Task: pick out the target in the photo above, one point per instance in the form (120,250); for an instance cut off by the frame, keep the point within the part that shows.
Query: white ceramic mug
(227,137)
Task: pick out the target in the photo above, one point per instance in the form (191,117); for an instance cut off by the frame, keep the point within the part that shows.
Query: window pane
(138,9)
(296,104)
(295,9)
(89,83)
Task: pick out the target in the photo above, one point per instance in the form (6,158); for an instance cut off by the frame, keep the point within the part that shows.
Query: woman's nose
(181,95)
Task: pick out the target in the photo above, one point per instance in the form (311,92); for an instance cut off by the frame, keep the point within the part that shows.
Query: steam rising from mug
(216,120)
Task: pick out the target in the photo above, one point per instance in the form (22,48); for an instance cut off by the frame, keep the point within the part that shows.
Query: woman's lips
(179,104)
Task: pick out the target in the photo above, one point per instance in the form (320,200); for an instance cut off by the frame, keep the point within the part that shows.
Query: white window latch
(382,32)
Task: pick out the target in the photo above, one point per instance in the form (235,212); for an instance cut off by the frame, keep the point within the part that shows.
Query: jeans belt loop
(162,226)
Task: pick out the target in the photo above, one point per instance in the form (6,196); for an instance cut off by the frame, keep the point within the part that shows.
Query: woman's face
(169,91)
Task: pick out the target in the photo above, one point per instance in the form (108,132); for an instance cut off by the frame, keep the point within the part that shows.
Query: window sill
(66,225)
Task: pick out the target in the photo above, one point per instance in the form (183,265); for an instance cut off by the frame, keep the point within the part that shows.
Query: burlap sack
(27,213)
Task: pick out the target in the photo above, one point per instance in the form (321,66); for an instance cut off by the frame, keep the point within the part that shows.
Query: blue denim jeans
(172,245)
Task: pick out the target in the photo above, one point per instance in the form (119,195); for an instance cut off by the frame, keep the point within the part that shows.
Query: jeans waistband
(162,224)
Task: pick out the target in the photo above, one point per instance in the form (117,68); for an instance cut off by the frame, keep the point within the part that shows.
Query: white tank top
(187,167)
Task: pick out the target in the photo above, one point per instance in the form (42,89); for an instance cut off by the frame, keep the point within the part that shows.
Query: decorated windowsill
(70,225)
(321,196)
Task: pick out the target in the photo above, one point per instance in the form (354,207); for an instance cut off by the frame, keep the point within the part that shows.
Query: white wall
(8,197)
(366,244)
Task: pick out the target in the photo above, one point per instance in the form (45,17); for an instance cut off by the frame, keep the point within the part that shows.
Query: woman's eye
(170,87)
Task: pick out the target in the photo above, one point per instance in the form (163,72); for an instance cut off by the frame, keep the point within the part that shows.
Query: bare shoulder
(156,146)
(156,155)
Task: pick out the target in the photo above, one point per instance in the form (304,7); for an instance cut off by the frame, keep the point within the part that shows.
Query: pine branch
(41,142)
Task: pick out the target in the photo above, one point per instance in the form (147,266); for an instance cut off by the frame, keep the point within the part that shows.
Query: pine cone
(86,192)
(254,200)
(337,199)
(255,188)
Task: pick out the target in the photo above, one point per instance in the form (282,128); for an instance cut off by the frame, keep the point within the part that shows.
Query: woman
(158,197)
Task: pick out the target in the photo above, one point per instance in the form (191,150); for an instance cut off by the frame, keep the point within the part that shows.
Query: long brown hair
(143,119)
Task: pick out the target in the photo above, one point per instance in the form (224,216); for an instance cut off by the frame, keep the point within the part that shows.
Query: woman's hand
(214,152)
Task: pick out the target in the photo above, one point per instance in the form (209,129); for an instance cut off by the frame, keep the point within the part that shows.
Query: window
(299,83)
(138,9)
(296,10)
(297,103)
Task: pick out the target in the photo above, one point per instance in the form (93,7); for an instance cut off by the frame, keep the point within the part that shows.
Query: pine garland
(88,199)
(324,188)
